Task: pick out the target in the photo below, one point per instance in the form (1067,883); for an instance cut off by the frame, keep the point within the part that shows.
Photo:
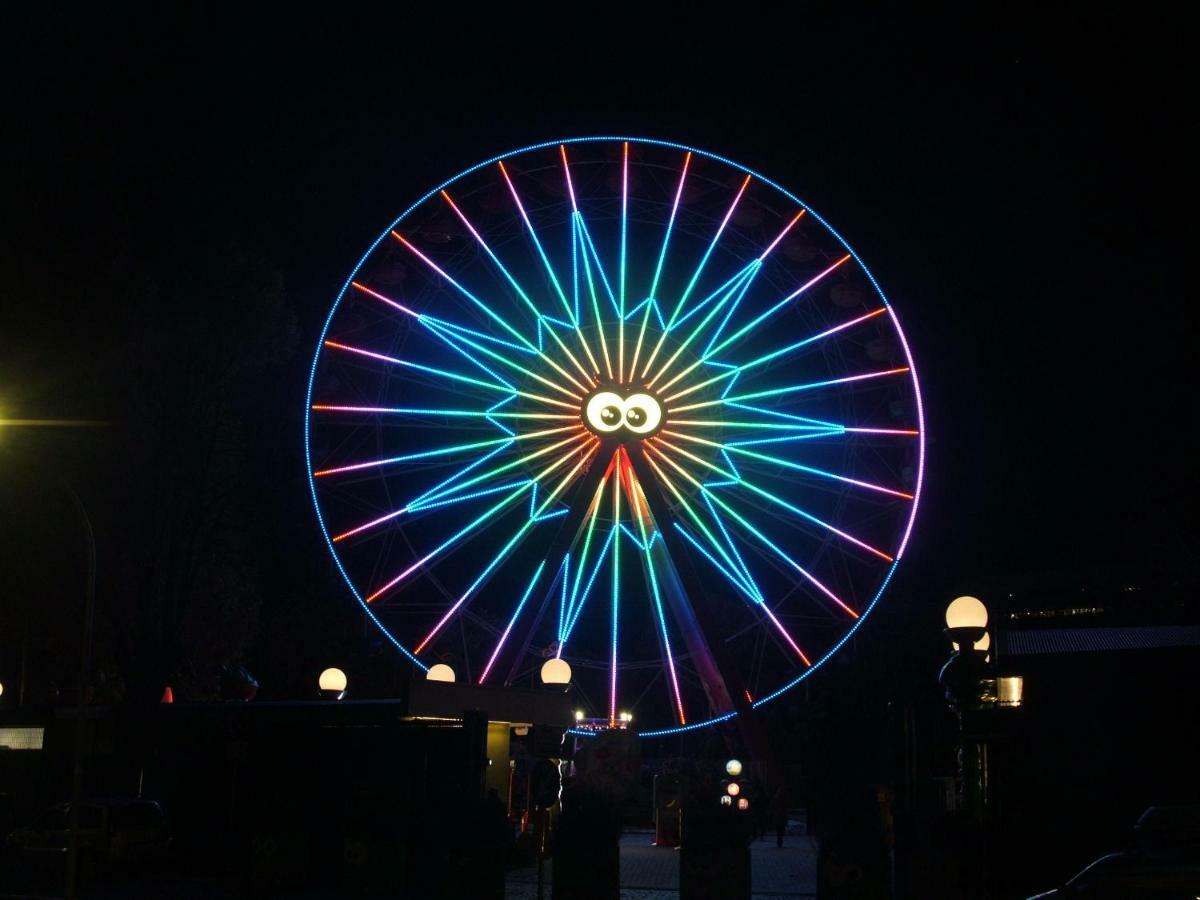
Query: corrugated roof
(1038,641)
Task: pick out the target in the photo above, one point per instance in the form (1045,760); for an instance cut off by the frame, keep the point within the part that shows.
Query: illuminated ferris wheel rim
(592,423)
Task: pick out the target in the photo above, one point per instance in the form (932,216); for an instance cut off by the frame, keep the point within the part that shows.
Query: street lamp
(85,657)
(332,683)
(962,676)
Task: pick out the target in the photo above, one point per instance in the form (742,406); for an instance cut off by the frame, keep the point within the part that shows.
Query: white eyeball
(642,413)
(605,412)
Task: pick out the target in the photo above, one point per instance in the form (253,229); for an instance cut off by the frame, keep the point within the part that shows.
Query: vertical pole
(24,665)
(85,671)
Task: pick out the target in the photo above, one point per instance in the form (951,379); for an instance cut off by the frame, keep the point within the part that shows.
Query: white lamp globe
(556,671)
(440,672)
(1,688)
(332,681)
(966,612)
(733,768)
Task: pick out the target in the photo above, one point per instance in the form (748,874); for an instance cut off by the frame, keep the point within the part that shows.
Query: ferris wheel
(623,403)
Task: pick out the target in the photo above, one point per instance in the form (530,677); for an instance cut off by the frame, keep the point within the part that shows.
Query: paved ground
(652,873)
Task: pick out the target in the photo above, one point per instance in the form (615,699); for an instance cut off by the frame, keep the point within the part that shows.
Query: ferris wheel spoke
(479,304)
(728,548)
(736,371)
(581,596)
(537,574)
(683,298)
(480,520)
(540,318)
(615,592)
(715,545)
(751,271)
(624,251)
(450,376)
(536,515)
(577,240)
(448,413)
(809,427)
(791,389)
(426,321)
(715,677)
(641,510)
(762,257)
(420,367)
(788,464)
(452,490)
(785,557)
(651,301)
(586,244)
(762,317)
(453,486)
(734,580)
(450,450)
(457,340)
(766,541)
(737,287)
(569,606)
(735,480)
(454,335)
(572,316)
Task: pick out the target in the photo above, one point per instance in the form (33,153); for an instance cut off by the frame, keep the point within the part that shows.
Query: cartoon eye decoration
(642,413)
(605,412)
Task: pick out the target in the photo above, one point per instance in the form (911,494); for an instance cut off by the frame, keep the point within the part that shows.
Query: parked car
(1162,862)
(112,831)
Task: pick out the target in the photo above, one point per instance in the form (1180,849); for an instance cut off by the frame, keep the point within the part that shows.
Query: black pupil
(610,415)
(636,417)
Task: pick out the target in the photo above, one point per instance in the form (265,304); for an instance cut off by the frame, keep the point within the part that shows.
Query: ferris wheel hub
(622,412)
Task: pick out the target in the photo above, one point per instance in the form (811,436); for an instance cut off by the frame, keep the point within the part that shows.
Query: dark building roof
(1040,641)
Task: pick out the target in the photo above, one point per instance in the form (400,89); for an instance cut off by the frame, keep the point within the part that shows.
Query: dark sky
(1014,179)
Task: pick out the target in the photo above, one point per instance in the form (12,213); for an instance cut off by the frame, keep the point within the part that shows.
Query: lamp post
(962,677)
(85,656)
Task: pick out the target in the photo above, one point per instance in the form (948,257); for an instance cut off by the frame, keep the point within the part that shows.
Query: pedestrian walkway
(652,873)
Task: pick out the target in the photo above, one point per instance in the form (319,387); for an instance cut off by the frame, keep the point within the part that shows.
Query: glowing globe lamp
(966,612)
(743,804)
(733,789)
(966,622)
(726,800)
(556,671)
(733,768)
(333,680)
(440,672)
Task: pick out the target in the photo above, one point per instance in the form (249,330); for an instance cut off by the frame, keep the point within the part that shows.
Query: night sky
(1014,182)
